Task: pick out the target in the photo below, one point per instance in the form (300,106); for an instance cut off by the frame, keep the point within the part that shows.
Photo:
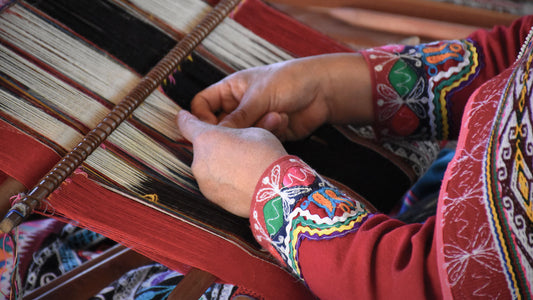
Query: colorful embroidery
(29,236)
(509,177)
(297,204)
(329,200)
(414,83)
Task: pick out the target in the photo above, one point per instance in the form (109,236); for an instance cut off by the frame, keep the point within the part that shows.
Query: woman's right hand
(291,99)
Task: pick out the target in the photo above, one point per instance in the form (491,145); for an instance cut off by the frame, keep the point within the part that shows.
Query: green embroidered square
(273,213)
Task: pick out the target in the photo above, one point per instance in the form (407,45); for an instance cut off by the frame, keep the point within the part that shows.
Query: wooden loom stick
(21,210)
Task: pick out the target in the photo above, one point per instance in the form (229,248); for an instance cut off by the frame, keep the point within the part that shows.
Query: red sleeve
(337,245)
(499,47)
(421,91)
(384,259)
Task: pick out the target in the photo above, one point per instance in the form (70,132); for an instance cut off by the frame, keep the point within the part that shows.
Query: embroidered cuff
(293,203)
(413,85)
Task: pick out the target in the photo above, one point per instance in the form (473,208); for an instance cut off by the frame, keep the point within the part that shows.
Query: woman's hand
(291,99)
(229,162)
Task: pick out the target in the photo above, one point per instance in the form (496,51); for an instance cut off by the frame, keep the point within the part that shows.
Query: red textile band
(22,157)
(283,31)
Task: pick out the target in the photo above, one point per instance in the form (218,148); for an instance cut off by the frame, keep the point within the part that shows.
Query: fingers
(190,126)
(207,103)
(201,107)
(220,98)
(275,122)
(231,102)
(247,114)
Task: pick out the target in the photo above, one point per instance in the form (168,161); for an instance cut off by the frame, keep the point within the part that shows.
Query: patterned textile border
(509,176)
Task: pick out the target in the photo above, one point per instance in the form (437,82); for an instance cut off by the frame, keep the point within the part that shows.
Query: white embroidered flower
(390,101)
(478,253)
(272,188)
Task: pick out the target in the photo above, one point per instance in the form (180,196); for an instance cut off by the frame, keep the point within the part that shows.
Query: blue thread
(14,211)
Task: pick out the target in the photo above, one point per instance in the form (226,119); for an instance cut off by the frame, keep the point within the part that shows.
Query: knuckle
(205,137)
(240,115)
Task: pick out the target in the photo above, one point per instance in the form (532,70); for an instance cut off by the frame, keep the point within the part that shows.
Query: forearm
(329,239)
(348,89)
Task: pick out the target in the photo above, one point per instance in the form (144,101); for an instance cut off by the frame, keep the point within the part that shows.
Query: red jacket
(480,244)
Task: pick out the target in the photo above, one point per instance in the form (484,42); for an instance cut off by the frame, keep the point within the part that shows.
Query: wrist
(349,94)
(287,171)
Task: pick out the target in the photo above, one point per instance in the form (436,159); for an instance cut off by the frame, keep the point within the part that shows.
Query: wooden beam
(428,9)
(92,276)
(426,29)
(193,285)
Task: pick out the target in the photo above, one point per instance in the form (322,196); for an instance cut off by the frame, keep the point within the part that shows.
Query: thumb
(190,126)
(245,115)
